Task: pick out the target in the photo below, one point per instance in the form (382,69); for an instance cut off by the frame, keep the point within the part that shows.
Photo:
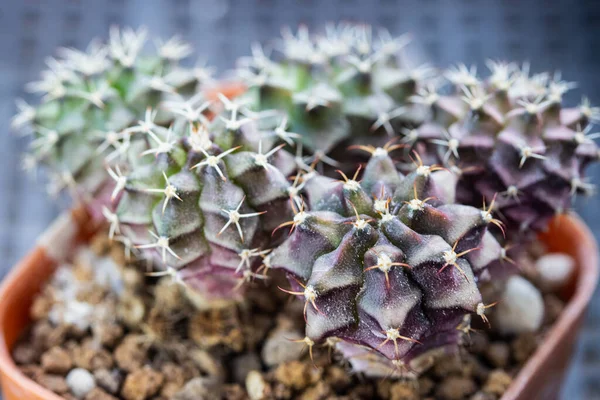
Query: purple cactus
(509,139)
(387,262)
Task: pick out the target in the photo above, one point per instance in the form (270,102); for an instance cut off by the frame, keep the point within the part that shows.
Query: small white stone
(79,314)
(80,382)
(108,275)
(256,386)
(279,347)
(72,312)
(520,309)
(85,258)
(64,279)
(554,270)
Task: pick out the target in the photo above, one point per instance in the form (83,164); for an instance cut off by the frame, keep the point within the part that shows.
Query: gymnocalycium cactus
(387,262)
(510,138)
(203,201)
(391,262)
(91,97)
(336,87)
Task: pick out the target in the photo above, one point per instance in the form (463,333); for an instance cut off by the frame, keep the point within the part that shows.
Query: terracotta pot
(539,379)
(20,287)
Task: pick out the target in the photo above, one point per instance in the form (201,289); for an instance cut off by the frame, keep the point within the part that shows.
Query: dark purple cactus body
(385,262)
(509,138)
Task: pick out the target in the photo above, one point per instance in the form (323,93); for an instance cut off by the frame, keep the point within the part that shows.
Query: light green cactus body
(90,98)
(336,88)
(202,202)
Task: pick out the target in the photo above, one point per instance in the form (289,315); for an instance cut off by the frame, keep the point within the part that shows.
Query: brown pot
(540,378)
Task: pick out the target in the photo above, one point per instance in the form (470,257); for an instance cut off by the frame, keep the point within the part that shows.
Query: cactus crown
(90,97)
(334,87)
(387,262)
(510,138)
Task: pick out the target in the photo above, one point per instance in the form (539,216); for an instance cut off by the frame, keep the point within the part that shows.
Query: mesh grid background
(562,34)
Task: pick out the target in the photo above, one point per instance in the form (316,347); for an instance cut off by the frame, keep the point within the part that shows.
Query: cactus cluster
(391,262)
(341,87)
(387,262)
(90,98)
(510,138)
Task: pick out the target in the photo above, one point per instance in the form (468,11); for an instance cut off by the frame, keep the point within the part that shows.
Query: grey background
(552,35)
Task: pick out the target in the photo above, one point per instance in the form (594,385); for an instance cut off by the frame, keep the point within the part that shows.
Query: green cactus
(131,133)
(203,201)
(337,87)
(91,97)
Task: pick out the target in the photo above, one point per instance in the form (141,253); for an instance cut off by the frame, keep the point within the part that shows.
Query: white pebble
(85,258)
(108,274)
(80,382)
(554,270)
(279,347)
(256,386)
(521,307)
(72,312)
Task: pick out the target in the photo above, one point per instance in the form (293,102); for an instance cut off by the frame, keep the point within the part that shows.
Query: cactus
(391,262)
(203,201)
(388,262)
(90,98)
(511,140)
(130,135)
(337,87)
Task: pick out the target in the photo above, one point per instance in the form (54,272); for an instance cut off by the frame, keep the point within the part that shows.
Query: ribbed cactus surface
(509,137)
(203,198)
(387,262)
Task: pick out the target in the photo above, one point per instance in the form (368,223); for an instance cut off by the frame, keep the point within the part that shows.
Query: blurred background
(553,35)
